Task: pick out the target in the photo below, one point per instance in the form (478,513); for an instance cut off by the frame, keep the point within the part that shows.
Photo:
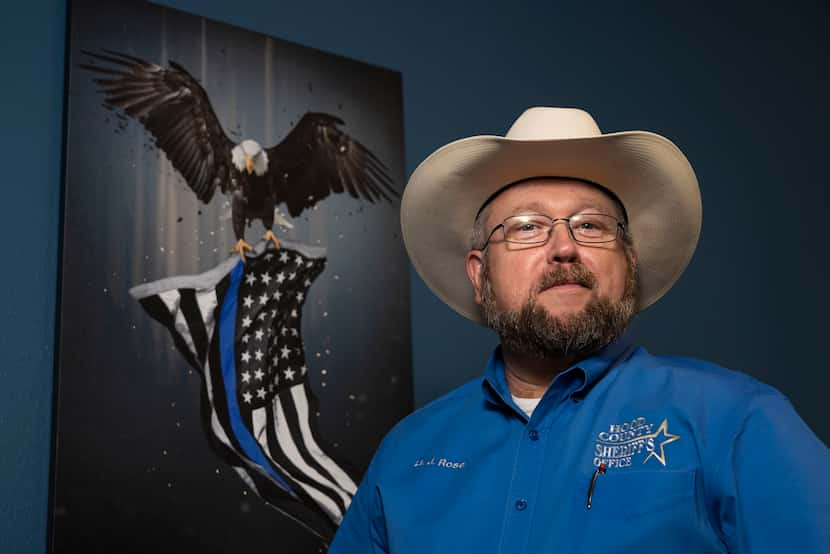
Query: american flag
(240,326)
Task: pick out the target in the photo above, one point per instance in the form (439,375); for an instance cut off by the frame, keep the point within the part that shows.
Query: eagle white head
(249,156)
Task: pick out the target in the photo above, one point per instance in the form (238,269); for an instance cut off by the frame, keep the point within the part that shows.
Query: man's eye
(588,226)
(526,227)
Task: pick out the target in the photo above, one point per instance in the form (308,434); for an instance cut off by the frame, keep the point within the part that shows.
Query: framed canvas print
(234,334)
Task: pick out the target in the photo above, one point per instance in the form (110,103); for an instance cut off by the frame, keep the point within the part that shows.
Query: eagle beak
(249,164)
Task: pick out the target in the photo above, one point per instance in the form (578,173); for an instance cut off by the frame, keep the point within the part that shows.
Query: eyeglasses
(537,228)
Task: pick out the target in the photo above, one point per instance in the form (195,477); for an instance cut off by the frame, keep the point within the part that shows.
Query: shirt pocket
(637,511)
(633,494)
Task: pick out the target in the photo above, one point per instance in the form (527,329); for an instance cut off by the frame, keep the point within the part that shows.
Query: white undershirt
(527,405)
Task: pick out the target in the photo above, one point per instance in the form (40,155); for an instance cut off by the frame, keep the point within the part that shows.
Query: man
(575,440)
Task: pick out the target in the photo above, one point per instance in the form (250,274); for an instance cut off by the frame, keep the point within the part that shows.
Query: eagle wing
(176,110)
(317,159)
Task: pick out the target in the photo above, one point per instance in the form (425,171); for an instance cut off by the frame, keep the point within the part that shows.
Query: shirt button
(533,434)
(521,504)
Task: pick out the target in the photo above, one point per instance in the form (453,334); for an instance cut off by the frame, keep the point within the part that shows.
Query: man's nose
(561,245)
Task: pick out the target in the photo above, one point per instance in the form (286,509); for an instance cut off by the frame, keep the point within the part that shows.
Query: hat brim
(648,173)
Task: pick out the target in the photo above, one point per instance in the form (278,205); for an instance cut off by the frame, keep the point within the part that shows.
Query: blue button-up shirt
(697,458)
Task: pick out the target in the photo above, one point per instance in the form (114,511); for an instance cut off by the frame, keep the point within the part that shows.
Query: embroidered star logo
(660,444)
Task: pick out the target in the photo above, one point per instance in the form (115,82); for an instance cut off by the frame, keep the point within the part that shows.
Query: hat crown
(553,123)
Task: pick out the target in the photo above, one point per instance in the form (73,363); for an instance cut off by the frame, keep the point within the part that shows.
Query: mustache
(567,275)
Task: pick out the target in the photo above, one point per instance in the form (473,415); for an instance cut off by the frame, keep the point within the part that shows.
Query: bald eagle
(313,161)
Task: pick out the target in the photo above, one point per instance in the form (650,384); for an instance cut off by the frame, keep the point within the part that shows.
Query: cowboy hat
(647,172)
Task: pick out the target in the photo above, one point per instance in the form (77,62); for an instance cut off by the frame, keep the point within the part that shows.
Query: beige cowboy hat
(647,172)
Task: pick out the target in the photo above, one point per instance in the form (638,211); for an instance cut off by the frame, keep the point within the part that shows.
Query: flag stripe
(222,436)
(289,446)
(159,311)
(195,323)
(227,327)
(322,498)
(171,302)
(207,302)
(259,422)
(213,380)
(229,448)
(279,458)
(292,423)
(279,462)
(220,417)
(278,473)
(259,419)
(299,395)
(327,500)
(246,478)
(172,299)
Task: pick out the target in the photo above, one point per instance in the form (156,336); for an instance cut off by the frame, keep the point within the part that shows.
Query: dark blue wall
(743,92)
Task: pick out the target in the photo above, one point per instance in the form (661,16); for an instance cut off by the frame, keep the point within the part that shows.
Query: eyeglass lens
(532,228)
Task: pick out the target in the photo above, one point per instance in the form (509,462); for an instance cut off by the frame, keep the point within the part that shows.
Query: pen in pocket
(599,471)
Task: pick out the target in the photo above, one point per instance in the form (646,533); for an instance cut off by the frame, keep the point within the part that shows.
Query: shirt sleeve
(777,496)
(363,528)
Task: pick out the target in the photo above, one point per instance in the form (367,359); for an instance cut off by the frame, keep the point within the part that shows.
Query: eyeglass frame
(553,220)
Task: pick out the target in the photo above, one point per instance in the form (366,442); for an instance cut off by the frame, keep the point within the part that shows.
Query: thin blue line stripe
(227,332)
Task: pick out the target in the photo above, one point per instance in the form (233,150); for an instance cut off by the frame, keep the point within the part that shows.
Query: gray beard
(533,332)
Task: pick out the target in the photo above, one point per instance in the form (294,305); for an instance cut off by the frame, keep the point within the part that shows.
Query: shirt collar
(576,379)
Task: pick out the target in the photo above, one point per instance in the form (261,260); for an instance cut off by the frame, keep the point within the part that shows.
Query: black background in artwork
(134,471)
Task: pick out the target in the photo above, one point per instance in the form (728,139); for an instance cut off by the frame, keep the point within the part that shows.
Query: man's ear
(475,264)
(631,253)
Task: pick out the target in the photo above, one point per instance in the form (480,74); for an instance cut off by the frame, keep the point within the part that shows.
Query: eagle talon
(269,235)
(240,248)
